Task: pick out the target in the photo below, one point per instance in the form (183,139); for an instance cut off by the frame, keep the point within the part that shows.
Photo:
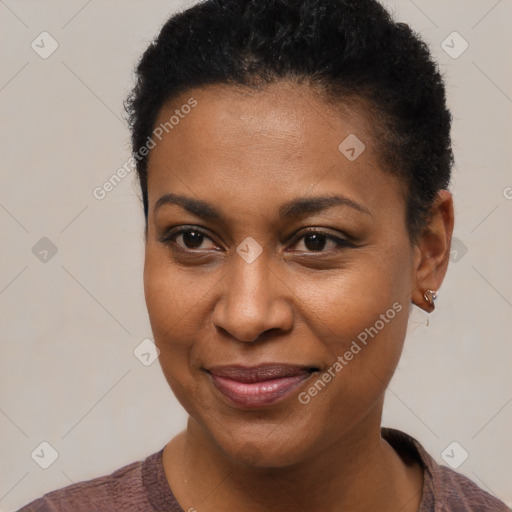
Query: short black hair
(349,48)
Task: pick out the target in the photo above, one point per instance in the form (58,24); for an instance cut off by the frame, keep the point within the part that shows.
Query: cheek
(361,318)
(361,338)
(179,307)
(173,296)
(178,303)
(170,301)
(342,305)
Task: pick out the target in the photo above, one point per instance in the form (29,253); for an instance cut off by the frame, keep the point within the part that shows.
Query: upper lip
(260,373)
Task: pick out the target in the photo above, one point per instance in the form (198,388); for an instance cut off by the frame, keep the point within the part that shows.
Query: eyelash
(169,239)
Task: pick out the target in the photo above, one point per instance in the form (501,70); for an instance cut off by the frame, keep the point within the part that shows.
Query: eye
(189,239)
(318,241)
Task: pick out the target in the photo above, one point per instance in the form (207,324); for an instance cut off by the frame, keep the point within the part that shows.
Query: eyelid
(169,234)
(341,241)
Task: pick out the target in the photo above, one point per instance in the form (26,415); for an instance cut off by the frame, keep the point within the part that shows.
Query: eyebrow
(197,207)
(291,209)
(310,205)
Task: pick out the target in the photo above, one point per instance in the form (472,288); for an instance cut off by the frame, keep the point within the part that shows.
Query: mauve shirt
(142,487)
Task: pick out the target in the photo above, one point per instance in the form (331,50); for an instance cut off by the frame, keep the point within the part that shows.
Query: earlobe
(432,252)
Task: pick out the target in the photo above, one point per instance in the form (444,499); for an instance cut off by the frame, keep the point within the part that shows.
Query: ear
(432,250)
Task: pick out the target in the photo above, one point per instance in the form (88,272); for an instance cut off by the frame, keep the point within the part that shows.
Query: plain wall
(70,325)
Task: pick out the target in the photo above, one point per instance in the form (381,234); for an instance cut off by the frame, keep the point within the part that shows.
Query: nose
(253,301)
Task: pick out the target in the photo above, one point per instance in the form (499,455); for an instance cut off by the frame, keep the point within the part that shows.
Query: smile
(264,385)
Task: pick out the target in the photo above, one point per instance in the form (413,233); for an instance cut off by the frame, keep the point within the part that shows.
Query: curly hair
(349,49)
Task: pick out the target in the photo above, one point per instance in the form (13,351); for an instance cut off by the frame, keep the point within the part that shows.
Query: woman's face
(280,312)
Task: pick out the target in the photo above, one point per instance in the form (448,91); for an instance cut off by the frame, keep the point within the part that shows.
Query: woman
(294,160)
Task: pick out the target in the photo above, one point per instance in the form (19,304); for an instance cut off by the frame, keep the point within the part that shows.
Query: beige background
(70,325)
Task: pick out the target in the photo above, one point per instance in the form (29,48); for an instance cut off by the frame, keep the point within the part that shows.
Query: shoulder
(121,490)
(459,493)
(443,488)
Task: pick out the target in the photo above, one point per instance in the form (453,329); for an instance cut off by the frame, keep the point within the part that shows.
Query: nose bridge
(251,303)
(249,282)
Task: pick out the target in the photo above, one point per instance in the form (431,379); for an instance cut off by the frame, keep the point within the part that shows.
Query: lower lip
(258,394)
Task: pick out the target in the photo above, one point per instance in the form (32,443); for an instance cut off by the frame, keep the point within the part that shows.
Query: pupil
(192,239)
(314,242)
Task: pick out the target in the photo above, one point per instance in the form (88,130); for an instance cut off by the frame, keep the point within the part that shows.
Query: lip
(258,386)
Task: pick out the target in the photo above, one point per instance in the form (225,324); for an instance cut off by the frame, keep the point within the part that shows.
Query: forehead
(277,114)
(276,141)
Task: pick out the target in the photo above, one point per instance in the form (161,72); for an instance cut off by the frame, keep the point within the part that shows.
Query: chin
(253,455)
(269,447)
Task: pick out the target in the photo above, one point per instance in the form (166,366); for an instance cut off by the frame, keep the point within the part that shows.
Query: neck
(360,471)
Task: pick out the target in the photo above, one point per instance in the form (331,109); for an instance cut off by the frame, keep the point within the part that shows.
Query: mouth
(258,386)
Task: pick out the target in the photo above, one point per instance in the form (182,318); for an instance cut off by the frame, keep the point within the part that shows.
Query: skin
(246,152)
